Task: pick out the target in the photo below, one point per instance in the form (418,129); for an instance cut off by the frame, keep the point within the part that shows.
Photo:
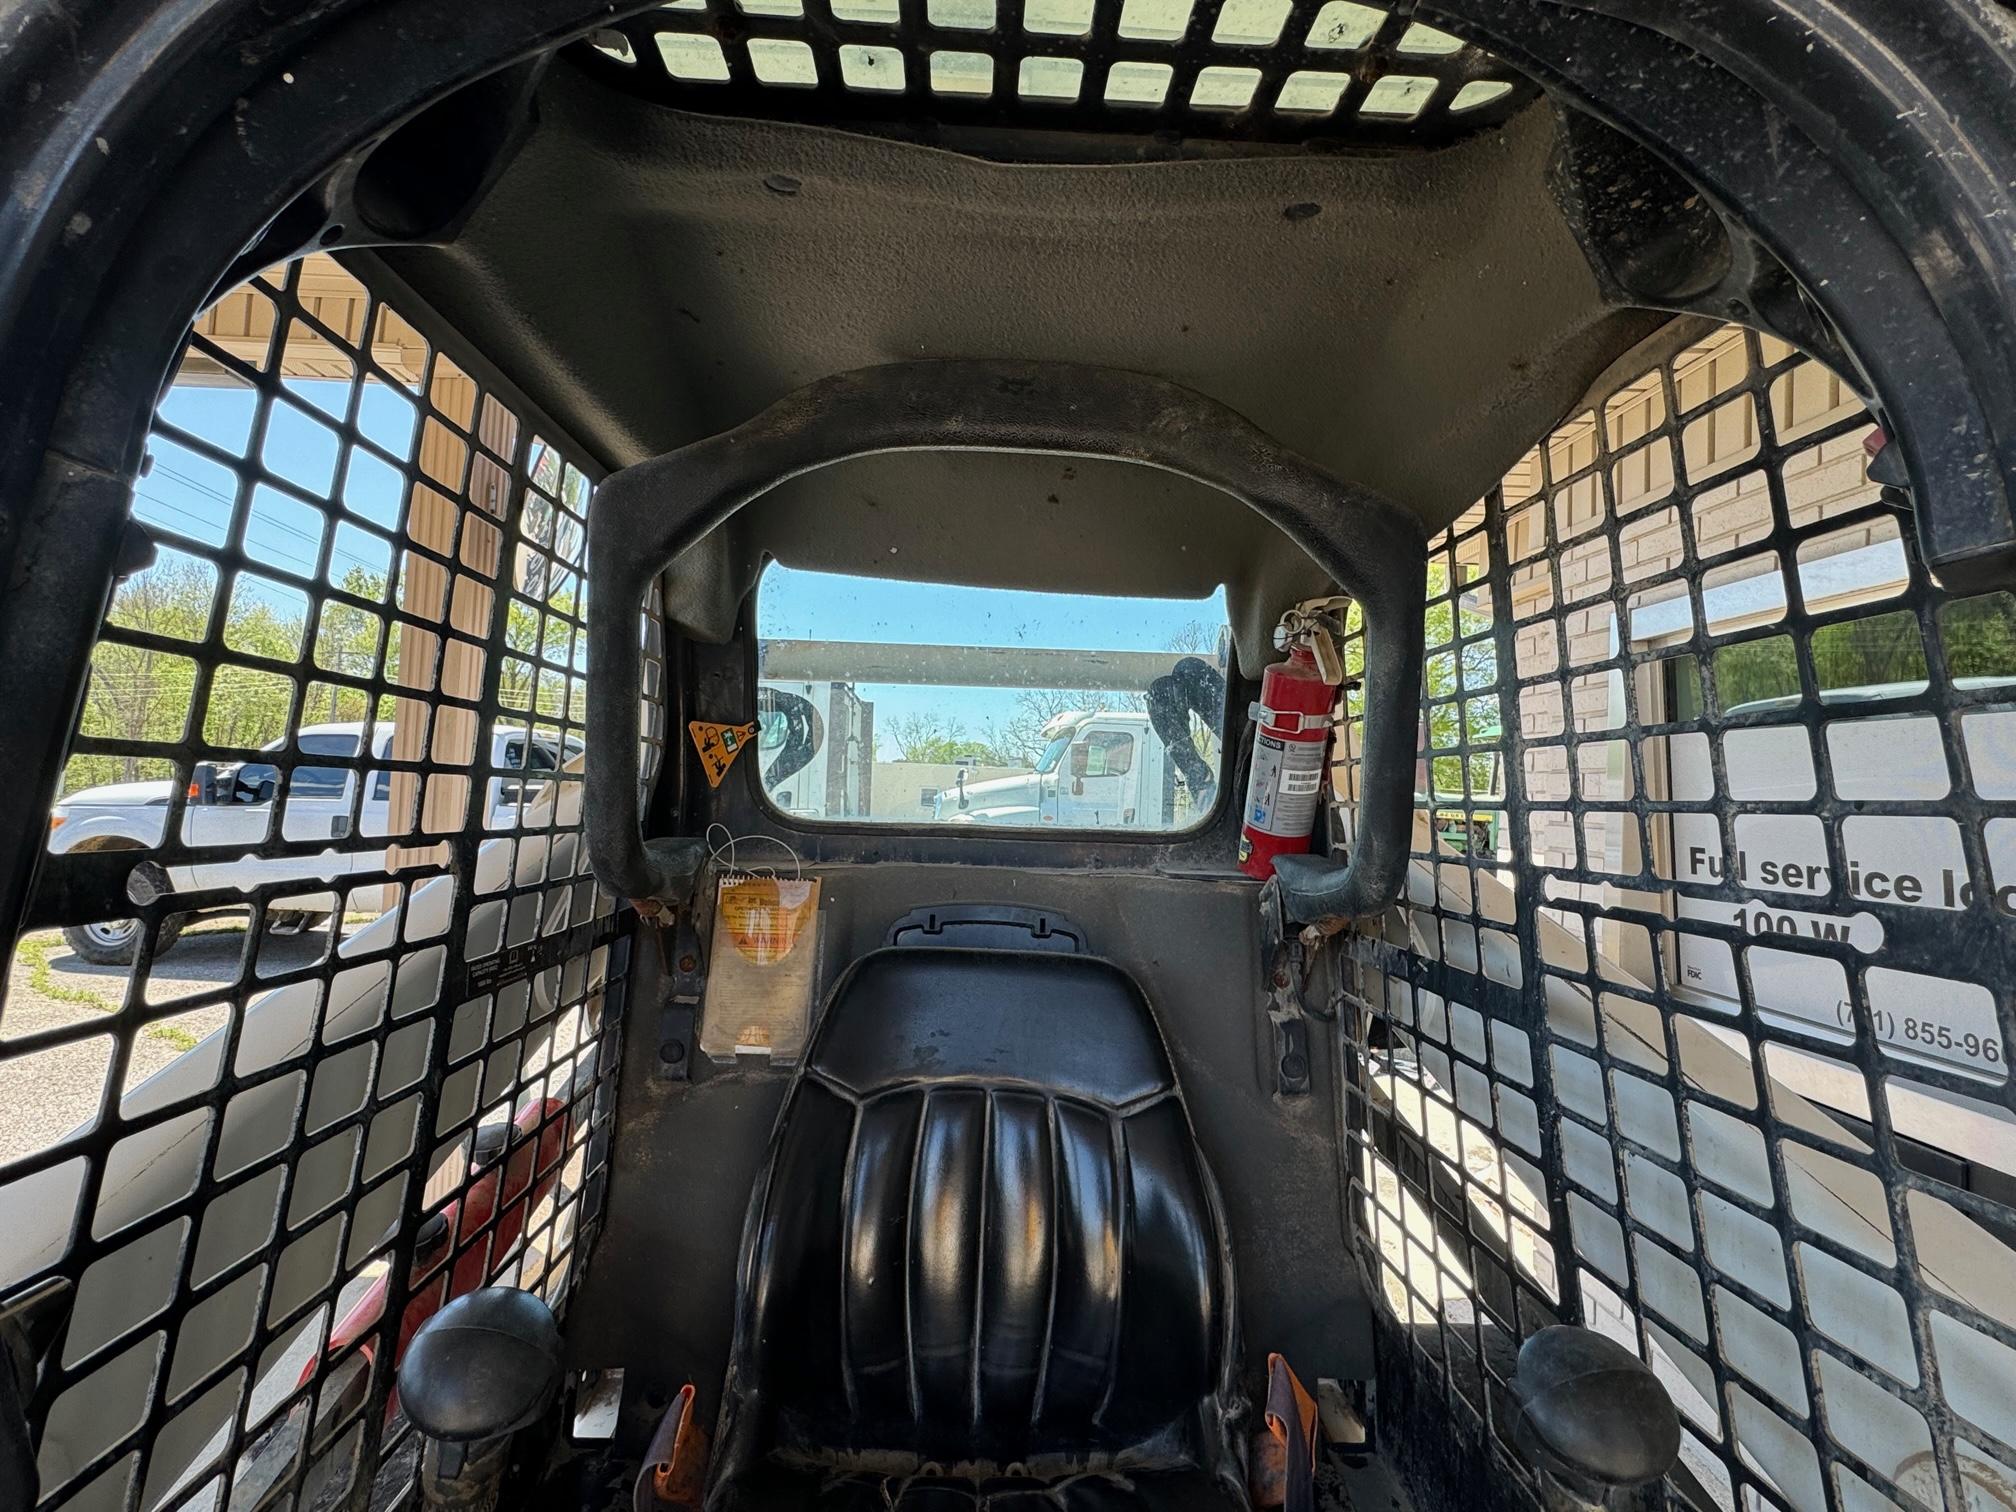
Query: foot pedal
(1284,1461)
(674,1476)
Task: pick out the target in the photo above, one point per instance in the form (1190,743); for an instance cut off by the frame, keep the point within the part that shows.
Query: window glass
(322,782)
(927,704)
(1108,753)
(317,782)
(539,758)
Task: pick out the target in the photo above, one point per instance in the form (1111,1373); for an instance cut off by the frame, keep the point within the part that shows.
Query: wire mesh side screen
(353,1051)
(1695,1024)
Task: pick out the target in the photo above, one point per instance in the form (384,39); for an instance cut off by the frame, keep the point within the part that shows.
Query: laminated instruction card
(761,967)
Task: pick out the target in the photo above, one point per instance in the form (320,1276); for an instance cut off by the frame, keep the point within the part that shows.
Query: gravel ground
(43,1096)
(47,1094)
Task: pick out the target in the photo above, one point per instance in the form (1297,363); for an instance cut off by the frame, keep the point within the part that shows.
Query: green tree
(138,693)
(1461,684)
(351,642)
(542,649)
(928,737)
(142,694)
(1979,636)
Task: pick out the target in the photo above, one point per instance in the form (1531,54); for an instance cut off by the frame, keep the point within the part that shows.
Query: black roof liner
(1410,320)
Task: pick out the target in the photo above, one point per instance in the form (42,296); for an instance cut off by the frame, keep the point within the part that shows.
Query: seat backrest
(986,1236)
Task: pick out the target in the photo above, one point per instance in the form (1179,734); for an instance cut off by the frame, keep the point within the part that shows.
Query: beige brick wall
(1559,508)
(1562,524)
(1825,480)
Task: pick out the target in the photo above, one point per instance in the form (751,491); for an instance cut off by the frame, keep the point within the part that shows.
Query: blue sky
(797,605)
(184,494)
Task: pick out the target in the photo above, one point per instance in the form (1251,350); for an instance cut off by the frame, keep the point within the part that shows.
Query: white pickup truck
(1103,770)
(234,807)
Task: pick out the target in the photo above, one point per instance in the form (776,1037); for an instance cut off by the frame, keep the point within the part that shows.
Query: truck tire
(113,944)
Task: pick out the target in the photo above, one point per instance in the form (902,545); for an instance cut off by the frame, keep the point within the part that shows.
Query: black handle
(647,515)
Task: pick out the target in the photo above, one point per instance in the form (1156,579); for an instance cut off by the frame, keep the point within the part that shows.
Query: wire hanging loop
(730,840)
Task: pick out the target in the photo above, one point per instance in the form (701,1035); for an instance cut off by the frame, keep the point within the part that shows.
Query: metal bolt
(672,1052)
(689,962)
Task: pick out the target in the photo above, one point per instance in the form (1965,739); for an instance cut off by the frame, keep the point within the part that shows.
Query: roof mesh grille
(1264,71)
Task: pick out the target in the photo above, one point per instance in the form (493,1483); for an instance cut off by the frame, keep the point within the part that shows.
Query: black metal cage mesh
(1242,70)
(1695,1024)
(332,733)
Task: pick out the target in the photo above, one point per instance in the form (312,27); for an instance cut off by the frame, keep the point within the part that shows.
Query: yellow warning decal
(719,745)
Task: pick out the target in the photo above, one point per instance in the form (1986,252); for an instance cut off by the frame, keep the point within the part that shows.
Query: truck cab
(232,805)
(1103,770)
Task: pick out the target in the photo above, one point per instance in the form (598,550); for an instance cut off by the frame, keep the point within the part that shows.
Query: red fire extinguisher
(1291,746)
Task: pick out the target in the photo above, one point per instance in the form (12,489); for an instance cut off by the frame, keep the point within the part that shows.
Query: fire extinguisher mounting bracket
(1293,720)
(646,515)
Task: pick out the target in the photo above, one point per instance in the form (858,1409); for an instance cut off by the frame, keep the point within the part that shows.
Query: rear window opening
(928,704)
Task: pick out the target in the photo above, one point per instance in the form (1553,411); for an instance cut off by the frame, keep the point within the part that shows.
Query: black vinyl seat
(987,1267)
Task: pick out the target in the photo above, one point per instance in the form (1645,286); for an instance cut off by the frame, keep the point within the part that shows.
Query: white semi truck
(1105,769)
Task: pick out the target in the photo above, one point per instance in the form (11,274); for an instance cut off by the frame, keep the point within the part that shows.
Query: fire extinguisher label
(1287,781)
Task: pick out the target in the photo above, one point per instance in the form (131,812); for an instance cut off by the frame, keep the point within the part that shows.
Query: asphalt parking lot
(48,1093)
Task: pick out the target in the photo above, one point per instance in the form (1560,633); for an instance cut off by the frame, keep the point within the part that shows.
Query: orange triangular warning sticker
(719,745)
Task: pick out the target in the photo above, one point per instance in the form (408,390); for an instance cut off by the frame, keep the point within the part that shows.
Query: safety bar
(646,515)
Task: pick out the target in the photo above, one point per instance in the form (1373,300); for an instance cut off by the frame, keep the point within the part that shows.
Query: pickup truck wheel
(113,944)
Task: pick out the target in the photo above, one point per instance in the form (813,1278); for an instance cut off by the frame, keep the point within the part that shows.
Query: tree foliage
(927,737)
(144,695)
(1874,651)
(1460,682)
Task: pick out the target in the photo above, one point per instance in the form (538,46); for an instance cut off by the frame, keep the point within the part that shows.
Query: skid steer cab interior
(1008,756)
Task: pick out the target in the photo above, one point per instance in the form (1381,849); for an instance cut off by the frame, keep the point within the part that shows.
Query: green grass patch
(42,979)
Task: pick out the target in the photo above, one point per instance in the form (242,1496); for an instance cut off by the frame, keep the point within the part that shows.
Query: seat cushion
(986,1239)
